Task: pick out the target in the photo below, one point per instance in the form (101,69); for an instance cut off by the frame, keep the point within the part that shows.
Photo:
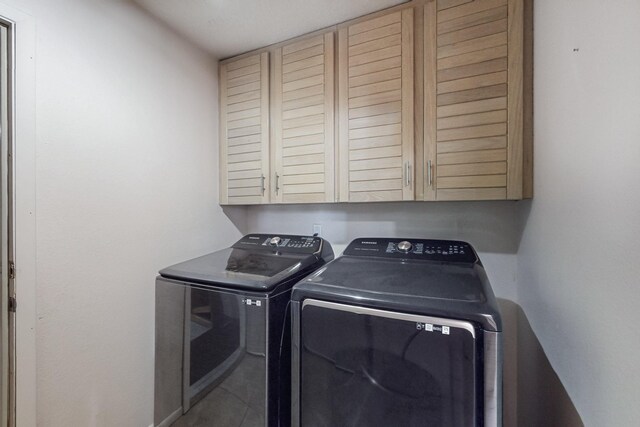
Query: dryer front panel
(368,367)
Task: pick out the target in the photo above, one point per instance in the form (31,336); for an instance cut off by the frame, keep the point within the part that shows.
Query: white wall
(126,113)
(126,181)
(578,263)
(493,228)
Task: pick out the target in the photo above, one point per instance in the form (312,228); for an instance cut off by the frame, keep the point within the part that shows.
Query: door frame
(22,140)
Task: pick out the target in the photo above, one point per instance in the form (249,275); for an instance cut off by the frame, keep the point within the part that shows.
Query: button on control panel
(283,243)
(418,249)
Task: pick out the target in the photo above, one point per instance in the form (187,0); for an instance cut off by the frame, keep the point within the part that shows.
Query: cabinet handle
(407,174)
(262,184)
(429,178)
(277,183)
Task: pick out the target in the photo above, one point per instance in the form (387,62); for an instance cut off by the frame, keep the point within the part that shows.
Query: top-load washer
(222,350)
(397,333)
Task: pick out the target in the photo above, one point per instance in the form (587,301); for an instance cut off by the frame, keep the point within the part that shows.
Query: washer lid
(254,263)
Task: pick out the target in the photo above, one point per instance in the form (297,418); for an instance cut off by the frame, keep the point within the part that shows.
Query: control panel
(282,243)
(417,249)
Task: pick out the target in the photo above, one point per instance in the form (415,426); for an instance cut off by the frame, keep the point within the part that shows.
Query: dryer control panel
(415,249)
(282,243)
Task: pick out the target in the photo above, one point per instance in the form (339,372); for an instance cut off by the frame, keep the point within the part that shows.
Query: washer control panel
(418,249)
(284,243)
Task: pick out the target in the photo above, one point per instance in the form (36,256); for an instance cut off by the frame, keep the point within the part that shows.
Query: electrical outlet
(317,229)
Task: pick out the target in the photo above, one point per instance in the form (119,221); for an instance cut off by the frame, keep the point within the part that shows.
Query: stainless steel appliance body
(222,351)
(397,332)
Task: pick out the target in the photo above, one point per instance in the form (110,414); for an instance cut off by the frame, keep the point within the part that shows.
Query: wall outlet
(317,229)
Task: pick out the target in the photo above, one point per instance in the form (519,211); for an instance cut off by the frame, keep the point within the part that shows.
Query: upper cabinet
(477,91)
(244,130)
(428,100)
(303,118)
(375,109)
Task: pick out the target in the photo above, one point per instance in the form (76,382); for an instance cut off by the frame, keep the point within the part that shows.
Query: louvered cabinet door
(473,99)
(303,117)
(375,62)
(244,130)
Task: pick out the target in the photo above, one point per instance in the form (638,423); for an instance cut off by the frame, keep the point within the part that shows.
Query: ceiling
(230,27)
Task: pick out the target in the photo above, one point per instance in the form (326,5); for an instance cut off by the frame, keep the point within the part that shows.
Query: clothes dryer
(397,332)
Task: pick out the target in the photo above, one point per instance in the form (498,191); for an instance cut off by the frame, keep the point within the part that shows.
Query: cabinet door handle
(262,184)
(429,177)
(407,174)
(277,183)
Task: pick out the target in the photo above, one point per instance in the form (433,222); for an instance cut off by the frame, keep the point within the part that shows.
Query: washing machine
(222,347)
(397,332)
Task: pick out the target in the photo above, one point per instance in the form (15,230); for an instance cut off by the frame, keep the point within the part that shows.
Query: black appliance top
(257,262)
(432,277)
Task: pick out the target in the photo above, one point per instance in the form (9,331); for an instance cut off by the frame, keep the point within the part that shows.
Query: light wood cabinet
(429,100)
(477,81)
(375,75)
(244,130)
(303,121)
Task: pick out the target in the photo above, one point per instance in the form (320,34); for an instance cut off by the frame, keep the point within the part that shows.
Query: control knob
(404,246)
(275,241)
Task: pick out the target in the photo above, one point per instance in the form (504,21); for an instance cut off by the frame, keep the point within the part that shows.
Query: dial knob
(404,246)
(275,241)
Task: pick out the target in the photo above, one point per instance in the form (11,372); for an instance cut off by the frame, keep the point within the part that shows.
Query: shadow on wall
(533,394)
(490,226)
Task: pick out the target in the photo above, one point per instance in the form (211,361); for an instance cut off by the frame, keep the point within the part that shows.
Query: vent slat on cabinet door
(372,67)
(302,44)
(485,67)
(469,95)
(480,106)
(303,73)
(370,174)
(374,23)
(309,178)
(377,77)
(377,33)
(302,64)
(475,119)
(479,156)
(244,183)
(376,153)
(251,69)
(474,82)
(243,62)
(244,129)
(472,132)
(374,45)
(473,144)
(382,119)
(446,4)
(472,20)
(472,57)
(303,149)
(469,9)
(465,169)
(473,32)
(376,110)
(473,45)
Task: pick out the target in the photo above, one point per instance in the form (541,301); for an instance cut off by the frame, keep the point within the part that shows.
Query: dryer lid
(420,278)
